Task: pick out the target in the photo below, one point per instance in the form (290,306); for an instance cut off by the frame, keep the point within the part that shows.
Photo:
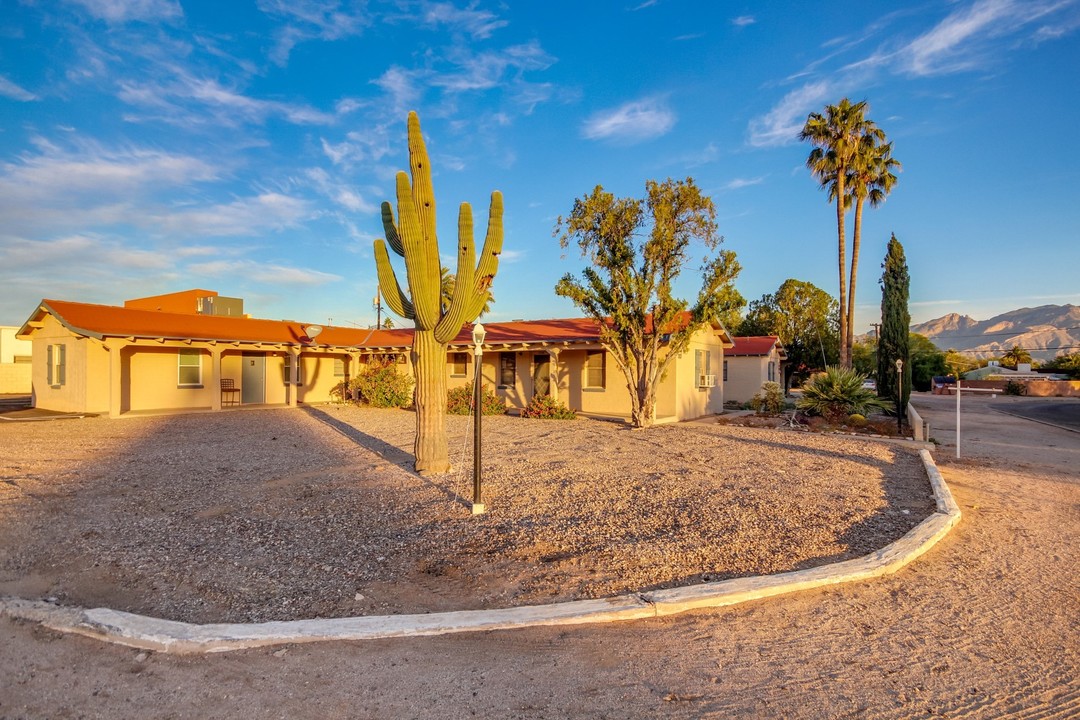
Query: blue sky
(148,146)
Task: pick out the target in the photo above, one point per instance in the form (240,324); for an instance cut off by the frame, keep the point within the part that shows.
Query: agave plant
(837,393)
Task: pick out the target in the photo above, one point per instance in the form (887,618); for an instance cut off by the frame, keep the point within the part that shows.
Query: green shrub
(380,385)
(769,400)
(1015,387)
(459,401)
(545,407)
(837,393)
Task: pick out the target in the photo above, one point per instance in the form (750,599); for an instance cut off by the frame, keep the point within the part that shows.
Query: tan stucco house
(15,362)
(751,361)
(195,351)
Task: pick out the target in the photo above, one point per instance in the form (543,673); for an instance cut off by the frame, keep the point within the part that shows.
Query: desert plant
(412,236)
(545,407)
(1015,387)
(837,393)
(856,420)
(380,385)
(459,401)
(769,400)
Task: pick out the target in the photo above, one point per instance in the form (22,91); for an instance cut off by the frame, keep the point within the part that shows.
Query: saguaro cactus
(412,236)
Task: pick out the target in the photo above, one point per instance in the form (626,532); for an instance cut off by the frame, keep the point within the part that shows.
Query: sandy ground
(982,626)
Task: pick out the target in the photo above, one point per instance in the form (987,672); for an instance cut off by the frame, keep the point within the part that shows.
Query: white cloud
(782,124)
(743,20)
(10,90)
(120,11)
(486,70)
(264,272)
(477,23)
(340,193)
(244,216)
(215,103)
(633,121)
(738,183)
(310,20)
(969,38)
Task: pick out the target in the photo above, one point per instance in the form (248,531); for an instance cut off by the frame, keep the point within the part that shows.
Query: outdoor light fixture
(478,335)
(899,394)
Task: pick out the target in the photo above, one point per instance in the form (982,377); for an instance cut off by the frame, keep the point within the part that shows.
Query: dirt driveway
(982,626)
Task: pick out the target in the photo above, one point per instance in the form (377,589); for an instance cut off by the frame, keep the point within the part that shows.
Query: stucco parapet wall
(180,637)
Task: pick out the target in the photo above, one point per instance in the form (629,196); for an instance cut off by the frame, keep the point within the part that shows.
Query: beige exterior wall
(15,377)
(154,378)
(746,374)
(72,395)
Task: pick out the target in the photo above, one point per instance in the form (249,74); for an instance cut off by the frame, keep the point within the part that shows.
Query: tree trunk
(845,355)
(429,365)
(856,237)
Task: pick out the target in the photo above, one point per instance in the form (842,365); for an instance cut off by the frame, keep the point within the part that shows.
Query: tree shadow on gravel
(383,449)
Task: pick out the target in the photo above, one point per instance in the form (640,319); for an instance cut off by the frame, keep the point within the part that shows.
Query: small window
(189,368)
(339,367)
(57,364)
(725,370)
(458,362)
(507,369)
(286,371)
(595,376)
(772,372)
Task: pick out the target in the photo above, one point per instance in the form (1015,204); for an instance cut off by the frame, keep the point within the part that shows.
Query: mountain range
(1044,331)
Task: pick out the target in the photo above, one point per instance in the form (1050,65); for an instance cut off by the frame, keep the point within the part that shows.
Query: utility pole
(877,330)
(377,304)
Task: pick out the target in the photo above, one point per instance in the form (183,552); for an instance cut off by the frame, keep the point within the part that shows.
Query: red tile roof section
(755,345)
(110,321)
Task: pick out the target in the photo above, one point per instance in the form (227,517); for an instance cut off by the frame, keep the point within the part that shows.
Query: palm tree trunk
(845,357)
(856,238)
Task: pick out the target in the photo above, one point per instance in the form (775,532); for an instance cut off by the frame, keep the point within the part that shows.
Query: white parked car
(870,384)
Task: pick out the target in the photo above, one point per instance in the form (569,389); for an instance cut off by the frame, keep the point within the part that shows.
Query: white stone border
(179,637)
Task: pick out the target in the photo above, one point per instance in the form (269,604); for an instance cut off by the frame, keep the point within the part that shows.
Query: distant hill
(1047,326)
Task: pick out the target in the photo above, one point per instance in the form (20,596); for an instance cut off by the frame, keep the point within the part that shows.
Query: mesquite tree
(412,236)
(627,289)
(895,338)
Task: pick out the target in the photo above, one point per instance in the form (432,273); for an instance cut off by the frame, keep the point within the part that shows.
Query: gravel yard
(284,514)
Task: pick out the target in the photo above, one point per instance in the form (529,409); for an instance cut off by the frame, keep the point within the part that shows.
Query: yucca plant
(837,393)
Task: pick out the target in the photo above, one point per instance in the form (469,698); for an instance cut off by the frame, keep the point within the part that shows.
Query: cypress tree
(895,324)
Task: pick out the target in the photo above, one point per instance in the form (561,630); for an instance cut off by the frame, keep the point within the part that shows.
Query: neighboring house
(15,363)
(995,371)
(752,360)
(119,360)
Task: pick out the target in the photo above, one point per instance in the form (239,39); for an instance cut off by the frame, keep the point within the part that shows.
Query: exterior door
(253,379)
(541,374)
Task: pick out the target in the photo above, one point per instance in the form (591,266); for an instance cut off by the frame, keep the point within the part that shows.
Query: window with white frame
(287,372)
(595,367)
(189,368)
(702,369)
(772,372)
(56,364)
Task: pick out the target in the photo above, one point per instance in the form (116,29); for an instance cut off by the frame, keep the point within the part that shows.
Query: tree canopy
(804,317)
(628,285)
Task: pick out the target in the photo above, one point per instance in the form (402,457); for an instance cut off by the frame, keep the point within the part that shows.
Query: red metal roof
(756,345)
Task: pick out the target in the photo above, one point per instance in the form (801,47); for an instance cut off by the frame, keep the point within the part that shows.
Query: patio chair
(230,394)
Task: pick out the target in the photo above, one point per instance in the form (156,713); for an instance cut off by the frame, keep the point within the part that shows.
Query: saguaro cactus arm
(489,256)
(390,228)
(422,263)
(395,297)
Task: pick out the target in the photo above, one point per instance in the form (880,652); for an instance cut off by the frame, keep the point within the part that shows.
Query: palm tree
(447,291)
(836,136)
(871,178)
(1015,356)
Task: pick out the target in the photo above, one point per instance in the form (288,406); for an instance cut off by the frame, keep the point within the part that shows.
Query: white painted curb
(180,637)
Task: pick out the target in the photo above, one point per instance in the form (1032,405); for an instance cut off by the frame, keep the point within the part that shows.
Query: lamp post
(899,394)
(478,334)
